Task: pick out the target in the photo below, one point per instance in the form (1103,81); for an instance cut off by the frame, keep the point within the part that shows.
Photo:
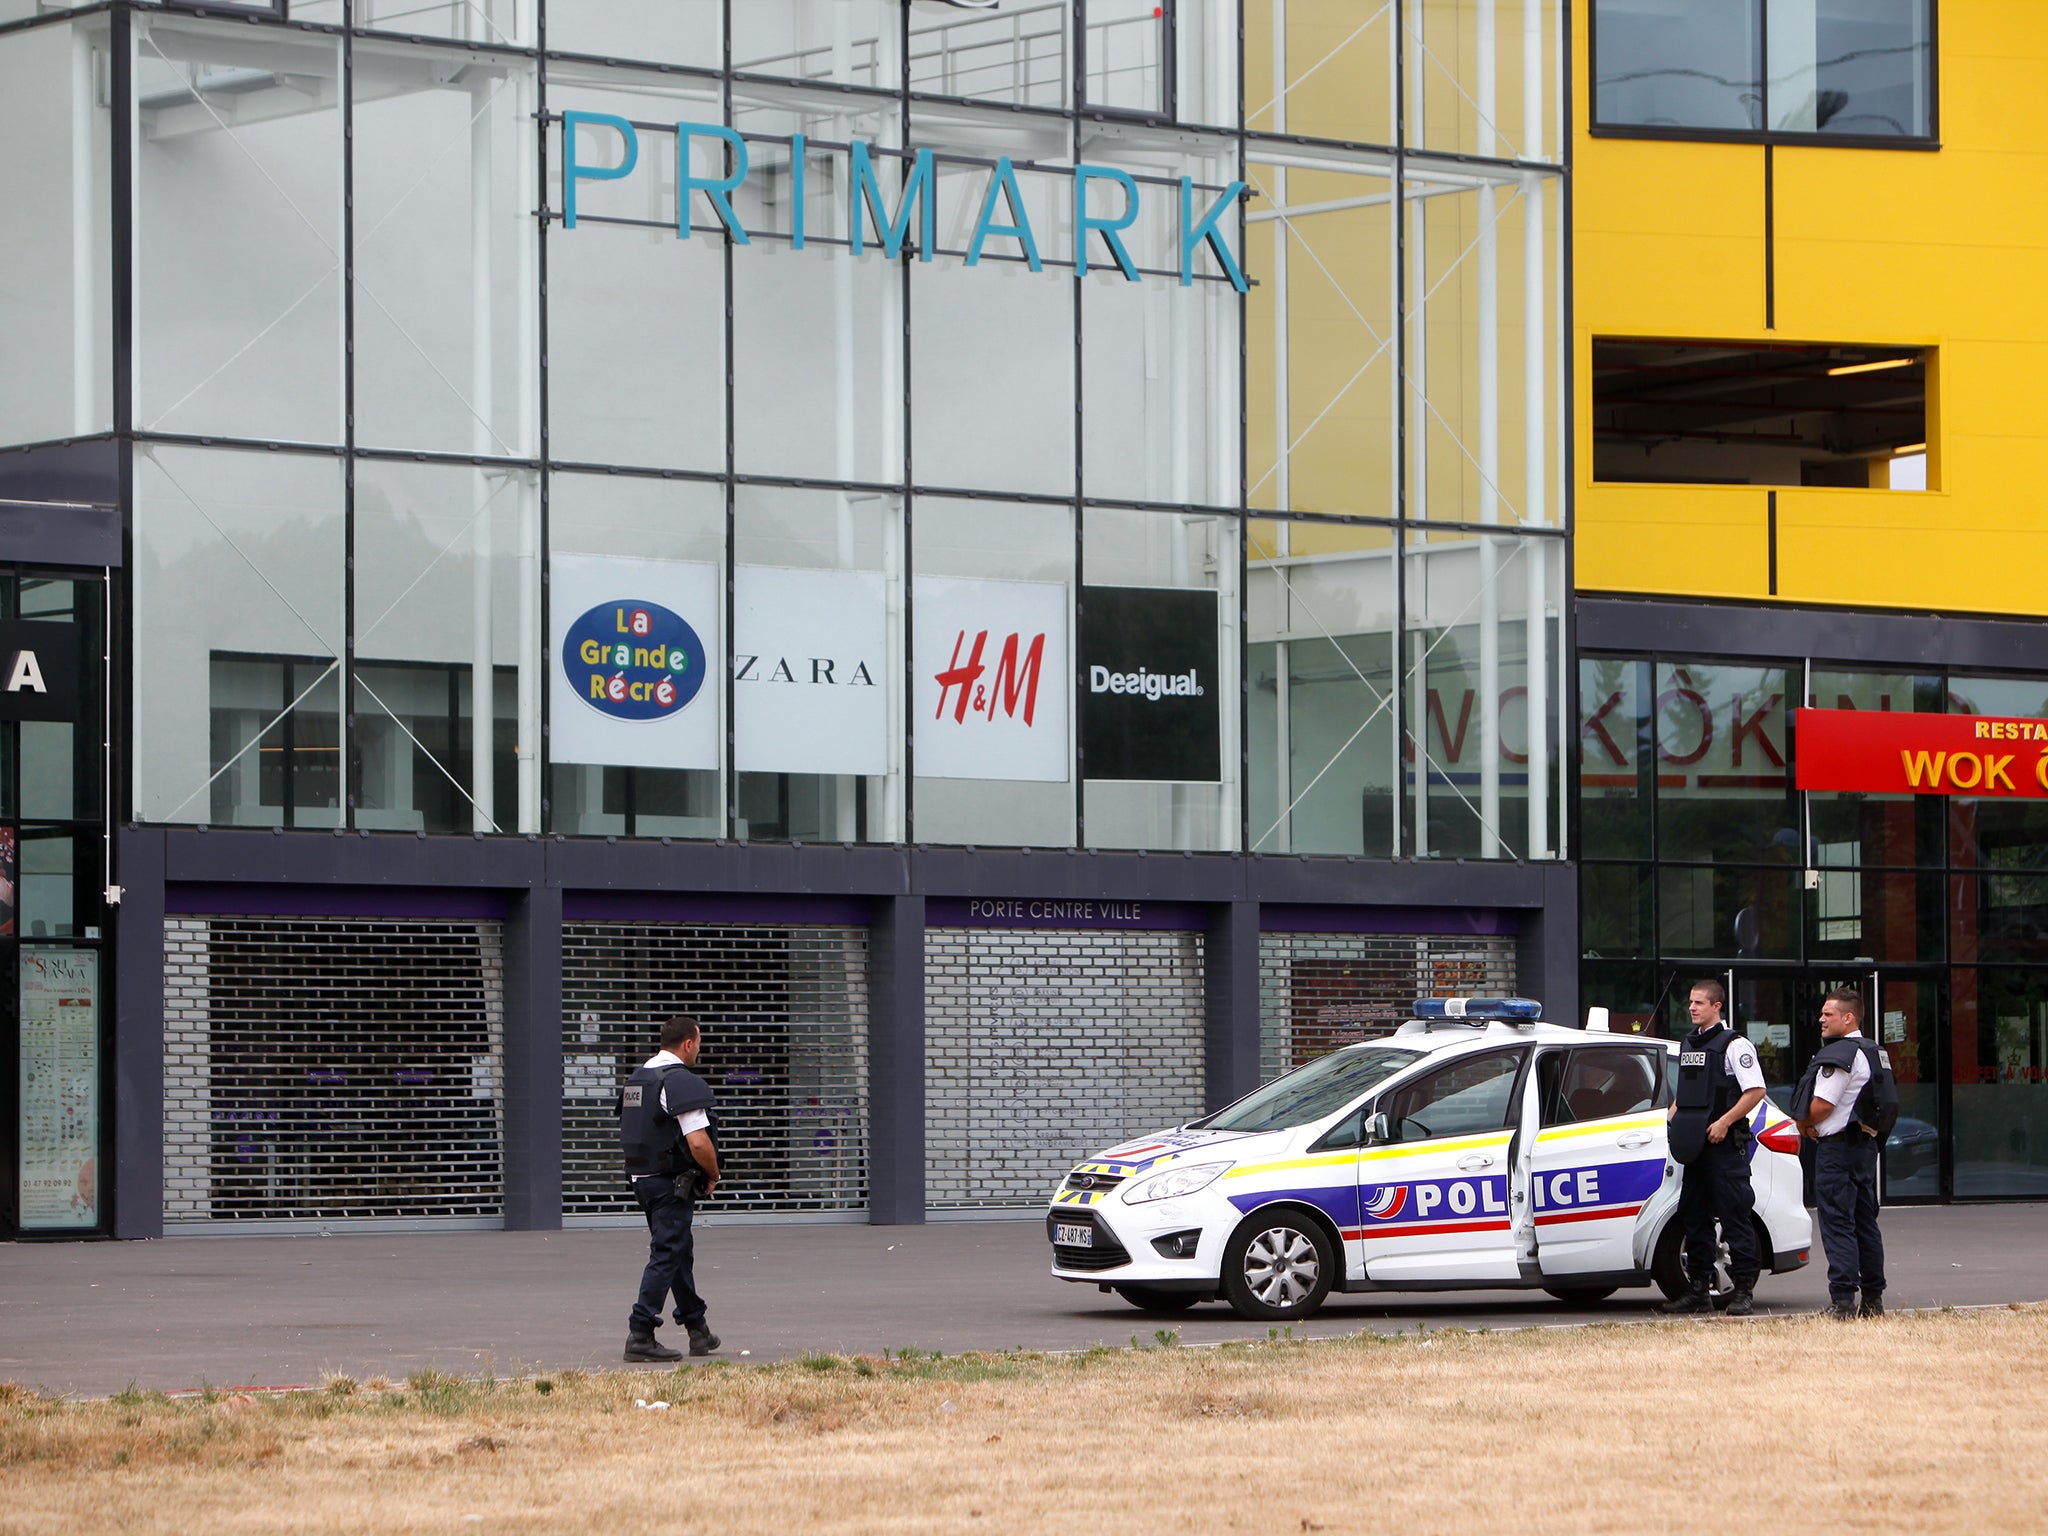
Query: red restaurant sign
(1881,753)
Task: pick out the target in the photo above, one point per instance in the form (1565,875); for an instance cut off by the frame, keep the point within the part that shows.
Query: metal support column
(1230,988)
(896,1062)
(532,1089)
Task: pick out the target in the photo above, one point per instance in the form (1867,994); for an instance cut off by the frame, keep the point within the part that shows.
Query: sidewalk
(94,1318)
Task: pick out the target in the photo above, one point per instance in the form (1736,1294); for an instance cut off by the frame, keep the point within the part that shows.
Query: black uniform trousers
(1717,1185)
(671,1255)
(1845,1190)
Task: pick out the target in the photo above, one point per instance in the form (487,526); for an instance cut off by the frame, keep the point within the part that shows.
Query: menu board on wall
(60,1088)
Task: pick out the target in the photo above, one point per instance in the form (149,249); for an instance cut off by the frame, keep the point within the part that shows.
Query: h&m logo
(1015,683)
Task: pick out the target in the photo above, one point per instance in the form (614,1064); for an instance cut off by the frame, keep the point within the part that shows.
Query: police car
(1474,1147)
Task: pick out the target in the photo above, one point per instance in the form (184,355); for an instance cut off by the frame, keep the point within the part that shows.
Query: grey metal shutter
(1043,1046)
(322,1070)
(1318,991)
(784,1011)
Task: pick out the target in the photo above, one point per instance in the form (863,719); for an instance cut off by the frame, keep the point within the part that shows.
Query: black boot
(641,1344)
(702,1340)
(1741,1300)
(1873,1304)
(1842,1311)
(1695,1299)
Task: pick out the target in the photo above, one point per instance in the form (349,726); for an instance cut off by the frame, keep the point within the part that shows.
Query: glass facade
(1700,857)
(1098,425)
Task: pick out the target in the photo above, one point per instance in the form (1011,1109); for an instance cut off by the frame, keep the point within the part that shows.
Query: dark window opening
(1802,70)
(1747,413)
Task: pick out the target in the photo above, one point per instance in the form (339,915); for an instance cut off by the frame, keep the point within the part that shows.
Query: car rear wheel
(1581,1295)
(1146,1299)
(1667,1265)
(1278,1268)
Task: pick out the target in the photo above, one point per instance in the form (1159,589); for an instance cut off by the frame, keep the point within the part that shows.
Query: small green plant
(543,1386)
(1168,1338)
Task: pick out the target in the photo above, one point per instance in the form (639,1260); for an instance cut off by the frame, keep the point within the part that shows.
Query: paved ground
(276,1311)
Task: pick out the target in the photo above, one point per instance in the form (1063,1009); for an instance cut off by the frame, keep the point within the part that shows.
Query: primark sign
(1003,216)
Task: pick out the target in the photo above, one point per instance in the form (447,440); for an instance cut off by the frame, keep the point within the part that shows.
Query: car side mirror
(1378,1129)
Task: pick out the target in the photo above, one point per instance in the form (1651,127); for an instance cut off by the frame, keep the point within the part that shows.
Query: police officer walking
(1833,1109)
(1719,1083)
(665,1135)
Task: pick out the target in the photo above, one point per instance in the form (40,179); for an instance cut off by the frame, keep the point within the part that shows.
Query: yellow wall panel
(1866,547)
(1944,248)
(1695,541)
(1668,233)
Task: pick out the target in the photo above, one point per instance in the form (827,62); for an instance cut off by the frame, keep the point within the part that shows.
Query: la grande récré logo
(634,660)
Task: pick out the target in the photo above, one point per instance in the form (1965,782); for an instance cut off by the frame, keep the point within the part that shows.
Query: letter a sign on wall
(992,680)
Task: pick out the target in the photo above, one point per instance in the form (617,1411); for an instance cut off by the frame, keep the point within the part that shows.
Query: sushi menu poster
(60,1088)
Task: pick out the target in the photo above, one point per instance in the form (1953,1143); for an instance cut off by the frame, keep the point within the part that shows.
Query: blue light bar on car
(1521,1009)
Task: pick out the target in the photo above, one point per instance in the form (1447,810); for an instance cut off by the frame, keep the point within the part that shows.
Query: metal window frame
(1931,140)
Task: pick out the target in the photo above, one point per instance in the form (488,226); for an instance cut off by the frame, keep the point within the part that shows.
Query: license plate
(1072,1236)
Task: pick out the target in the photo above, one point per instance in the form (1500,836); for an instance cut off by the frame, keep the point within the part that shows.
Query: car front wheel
(1278,1268)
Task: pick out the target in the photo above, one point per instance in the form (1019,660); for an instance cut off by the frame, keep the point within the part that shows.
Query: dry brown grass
(1923,1423)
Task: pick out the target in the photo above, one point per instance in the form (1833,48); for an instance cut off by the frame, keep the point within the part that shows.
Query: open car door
(1599,1157)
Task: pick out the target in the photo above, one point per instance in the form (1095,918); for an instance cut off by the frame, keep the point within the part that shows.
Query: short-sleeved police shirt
(690,1120)
(1743,1065)
(1840,1089)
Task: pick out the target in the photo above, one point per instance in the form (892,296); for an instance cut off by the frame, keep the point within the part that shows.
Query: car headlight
(1175,1182)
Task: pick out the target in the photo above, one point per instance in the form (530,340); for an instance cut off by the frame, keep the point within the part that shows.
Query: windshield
(1312,1092)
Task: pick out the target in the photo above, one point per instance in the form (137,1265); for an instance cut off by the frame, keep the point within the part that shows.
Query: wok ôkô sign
(1880,753)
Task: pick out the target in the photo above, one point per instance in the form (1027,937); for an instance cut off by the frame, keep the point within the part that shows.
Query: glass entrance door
(53,871)
(1906,1012)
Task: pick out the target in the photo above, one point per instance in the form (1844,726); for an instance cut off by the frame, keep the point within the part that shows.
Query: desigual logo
(634,660)
(1146,684)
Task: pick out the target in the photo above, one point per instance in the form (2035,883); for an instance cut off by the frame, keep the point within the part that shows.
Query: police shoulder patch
(1826,1070)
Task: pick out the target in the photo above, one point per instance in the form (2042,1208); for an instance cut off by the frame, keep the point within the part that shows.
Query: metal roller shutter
(785,1018)
(321,1070)
(1044,1046)
(1318,991)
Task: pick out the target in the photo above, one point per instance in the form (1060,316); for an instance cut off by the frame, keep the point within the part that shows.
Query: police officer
(1845,1156)
(1719,1084)
(665,1134)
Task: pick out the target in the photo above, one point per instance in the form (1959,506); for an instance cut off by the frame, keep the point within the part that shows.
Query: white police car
(1473,1148)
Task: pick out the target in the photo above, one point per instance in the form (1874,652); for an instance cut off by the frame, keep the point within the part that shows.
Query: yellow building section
(1943,249)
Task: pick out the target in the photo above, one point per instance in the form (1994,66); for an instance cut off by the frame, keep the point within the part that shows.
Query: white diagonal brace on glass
(327,646)
(244,750)
(1358,32)
(424,750)
(504,478)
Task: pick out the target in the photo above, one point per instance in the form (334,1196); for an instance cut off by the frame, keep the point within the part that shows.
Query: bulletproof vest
(648,1138)
(1706,1091)
(1877,1103)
